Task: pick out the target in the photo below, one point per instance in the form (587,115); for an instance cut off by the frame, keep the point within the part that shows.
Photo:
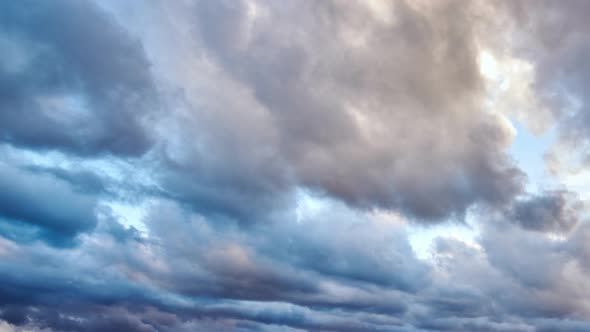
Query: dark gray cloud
(71,79)
(551,211)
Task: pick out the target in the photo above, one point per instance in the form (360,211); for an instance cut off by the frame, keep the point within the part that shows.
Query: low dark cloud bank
(279,159)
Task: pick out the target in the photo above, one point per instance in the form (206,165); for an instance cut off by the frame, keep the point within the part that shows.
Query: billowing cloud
(72,79)
(339,101)
(198,275)
(552,37)
(278,166)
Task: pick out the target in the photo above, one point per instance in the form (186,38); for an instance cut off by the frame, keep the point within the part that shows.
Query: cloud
(201,270)
(256,166)
(189,273)
(551,211)
(551,37)
(330,98)
(35,206)
(71,79)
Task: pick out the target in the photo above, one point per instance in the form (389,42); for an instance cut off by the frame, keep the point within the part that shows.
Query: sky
(323,166)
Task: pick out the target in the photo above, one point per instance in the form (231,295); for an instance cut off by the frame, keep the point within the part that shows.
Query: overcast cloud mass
(250,165)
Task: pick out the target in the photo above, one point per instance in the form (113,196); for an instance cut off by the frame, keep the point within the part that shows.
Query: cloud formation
(556,211)
(291,166)
(333,98)
(72,79)
(42,207)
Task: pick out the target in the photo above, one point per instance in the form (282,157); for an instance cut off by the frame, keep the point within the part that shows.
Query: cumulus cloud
(278,166)
(72,79)
(330,97)
(551,36)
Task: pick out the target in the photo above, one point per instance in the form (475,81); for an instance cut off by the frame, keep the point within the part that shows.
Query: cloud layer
(276,166)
